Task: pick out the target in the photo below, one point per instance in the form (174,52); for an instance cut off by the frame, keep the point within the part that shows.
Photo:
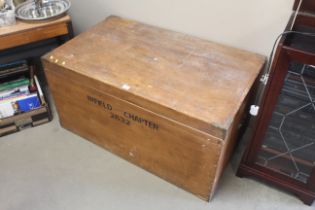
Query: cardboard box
(167,102)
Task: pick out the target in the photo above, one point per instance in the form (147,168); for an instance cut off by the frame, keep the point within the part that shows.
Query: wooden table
(27,32)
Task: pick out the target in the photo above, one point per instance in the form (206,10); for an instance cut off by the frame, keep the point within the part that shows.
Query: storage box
(167,102)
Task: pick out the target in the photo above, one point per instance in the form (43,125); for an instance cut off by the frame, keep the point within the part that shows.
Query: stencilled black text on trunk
(100,103)
(141,120)
(125,117)
(119,118)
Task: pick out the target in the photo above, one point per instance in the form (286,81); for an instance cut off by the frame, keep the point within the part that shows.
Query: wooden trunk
(167,102)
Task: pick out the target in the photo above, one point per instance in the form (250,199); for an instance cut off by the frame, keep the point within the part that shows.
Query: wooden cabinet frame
(285,53)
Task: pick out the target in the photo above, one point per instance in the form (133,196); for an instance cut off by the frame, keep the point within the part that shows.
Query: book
(13,64)
(7,72)
(6,110)
(21,103)
(14,84)
(30,103)
(14,91)
(39,90)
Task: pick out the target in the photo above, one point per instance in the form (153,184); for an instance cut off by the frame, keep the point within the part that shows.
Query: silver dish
(34,11)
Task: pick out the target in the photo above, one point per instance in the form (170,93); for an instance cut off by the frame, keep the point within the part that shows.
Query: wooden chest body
(165,101)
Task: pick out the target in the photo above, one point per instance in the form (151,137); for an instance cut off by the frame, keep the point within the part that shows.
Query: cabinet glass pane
(289,143)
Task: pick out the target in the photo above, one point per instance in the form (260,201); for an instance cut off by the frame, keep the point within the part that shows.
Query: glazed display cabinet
(282,147)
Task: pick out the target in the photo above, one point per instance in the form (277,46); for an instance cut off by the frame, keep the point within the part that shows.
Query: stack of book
(13,68)
(17,95)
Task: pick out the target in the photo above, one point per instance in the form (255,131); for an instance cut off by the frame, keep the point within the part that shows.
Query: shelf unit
(29,41)
(282,146)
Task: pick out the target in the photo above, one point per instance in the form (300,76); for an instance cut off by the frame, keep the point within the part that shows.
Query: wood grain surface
(166,71)
(173,151)
(28,32)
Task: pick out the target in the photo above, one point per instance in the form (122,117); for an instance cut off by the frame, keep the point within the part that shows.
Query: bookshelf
(22,82)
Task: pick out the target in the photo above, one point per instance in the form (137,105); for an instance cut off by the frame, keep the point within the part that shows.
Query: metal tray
(31,11)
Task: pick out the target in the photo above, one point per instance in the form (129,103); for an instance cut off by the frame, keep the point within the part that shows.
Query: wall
(247,24)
